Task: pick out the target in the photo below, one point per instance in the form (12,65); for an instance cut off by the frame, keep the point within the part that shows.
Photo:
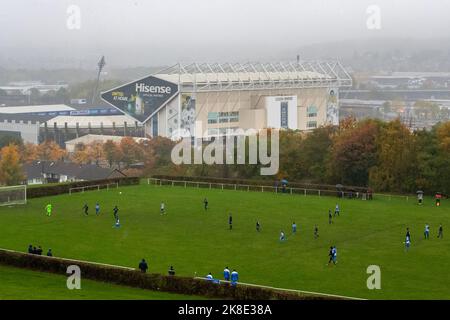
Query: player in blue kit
(226,274)
(234,277)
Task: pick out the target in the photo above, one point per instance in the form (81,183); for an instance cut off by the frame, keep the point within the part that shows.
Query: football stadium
(223,97)
(232,158)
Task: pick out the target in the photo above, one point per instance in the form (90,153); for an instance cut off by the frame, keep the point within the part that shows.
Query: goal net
(13,195)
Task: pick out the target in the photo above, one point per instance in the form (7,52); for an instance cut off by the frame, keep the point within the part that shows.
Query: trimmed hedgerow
(56,189)
(135,278)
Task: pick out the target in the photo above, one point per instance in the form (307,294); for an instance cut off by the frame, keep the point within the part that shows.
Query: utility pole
(100,65)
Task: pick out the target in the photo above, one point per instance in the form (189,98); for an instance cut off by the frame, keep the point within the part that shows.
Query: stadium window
(311,111)
(213,117)
(311,124)
(226,117)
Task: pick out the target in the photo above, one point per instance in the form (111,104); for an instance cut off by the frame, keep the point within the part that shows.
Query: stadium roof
(253,76)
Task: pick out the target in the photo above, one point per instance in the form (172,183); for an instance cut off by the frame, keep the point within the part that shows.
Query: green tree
(396,169)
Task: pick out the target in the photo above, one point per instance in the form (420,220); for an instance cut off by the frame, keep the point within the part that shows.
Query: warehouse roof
(35,109)
(237,76)
(89,138)
(93,121)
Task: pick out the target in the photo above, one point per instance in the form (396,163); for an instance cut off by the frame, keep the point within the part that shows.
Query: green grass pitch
(31,285)
(196,242)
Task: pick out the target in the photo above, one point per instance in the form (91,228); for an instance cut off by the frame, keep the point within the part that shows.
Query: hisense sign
(141,98)
(142,87)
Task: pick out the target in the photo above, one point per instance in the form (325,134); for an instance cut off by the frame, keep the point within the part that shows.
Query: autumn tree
(29,152)
(81,154)
(443,141)
(396,168)
(50,151)
(353,153)
(10,167)
(112,152)
(95,152)
(314,153)
(131,151)
(290,155)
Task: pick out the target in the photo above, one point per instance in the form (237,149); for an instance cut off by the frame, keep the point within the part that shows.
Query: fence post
(305,192)
(319,193)
(262,188)
(222,186)
(210,185)
(248,188)
(198,185)
(291,190)
(185,184)
(172,183)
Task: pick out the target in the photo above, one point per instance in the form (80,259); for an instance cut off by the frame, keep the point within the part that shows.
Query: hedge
(56,189)
(134,278)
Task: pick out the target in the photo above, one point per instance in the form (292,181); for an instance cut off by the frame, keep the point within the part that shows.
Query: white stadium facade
(224,97)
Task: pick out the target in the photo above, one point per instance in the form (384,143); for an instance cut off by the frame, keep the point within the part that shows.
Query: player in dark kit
(86,209)
(230,221)
(331,255)
(205,202)
(330,217)
(316,232)
(258,226)
(440,232)
(116,215)
(408,234)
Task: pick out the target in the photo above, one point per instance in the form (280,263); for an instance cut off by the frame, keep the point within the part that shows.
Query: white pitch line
(291,290)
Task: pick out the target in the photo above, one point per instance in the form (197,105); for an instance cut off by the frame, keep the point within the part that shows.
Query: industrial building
(60,123)
(224,97)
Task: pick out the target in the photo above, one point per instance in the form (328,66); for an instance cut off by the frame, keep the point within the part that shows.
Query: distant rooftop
(35,109)
(92,121)
(89,138)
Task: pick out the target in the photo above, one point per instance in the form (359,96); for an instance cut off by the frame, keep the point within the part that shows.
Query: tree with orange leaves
(81,154)
(10,167)
(28,152)
(112,152)
(50,151)
(131,151)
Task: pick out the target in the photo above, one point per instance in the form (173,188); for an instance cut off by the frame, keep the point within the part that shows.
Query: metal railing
(273,189)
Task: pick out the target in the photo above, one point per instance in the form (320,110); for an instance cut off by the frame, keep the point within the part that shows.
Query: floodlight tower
(100,65)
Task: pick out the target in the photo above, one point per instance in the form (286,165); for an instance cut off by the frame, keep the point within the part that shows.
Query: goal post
(13,195)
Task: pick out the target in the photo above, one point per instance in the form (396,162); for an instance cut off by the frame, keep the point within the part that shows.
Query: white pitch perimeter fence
(273,189)
(97,187)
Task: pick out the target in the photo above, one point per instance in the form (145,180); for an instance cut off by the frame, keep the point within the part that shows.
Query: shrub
(134,278)
(52,190)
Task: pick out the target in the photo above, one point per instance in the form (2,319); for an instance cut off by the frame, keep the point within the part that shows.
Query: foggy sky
(162,32)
